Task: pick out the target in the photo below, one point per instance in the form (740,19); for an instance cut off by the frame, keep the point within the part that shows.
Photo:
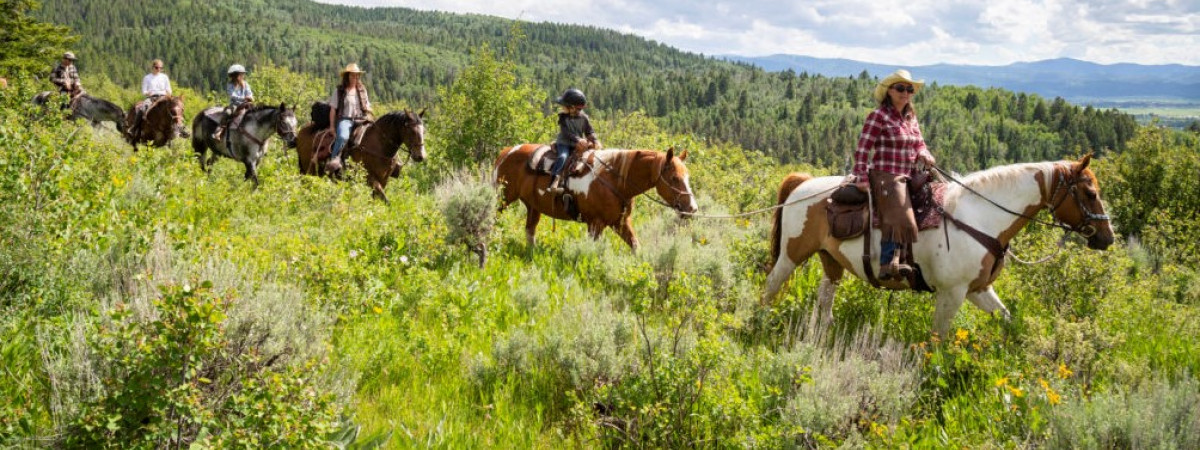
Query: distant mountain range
(1079,82)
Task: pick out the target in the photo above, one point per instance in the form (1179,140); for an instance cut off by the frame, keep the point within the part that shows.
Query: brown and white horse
(604,195)
(953,262)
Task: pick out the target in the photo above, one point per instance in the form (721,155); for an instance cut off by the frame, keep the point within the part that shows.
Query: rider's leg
(342,131)
(563,152)
(887,257)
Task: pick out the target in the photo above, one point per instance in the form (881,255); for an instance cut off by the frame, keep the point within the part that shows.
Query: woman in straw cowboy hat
(349,103)
(889,149)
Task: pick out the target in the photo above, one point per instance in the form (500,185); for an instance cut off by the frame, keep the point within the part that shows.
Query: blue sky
(916,32)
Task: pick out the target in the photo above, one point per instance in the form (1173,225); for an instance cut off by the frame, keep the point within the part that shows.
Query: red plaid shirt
(896,141)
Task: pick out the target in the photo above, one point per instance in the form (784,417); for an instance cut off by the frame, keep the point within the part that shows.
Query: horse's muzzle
(1099,241)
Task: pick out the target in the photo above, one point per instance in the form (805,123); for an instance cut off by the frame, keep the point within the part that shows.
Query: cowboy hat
(899,76)
(69,55)
(352,68)
(236,68)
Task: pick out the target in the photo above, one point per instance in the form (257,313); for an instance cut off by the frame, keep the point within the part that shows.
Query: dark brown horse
(604,195)
(164,122)
(376,152)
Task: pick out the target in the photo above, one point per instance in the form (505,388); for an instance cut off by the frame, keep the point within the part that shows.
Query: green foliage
(468,203)
(277,84)
(486,109)
(28,46)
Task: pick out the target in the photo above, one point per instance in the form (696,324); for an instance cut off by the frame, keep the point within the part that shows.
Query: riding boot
(219,134)
(554,188)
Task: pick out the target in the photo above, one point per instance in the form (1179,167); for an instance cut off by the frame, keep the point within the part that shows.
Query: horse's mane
(1001,178)
(396,118)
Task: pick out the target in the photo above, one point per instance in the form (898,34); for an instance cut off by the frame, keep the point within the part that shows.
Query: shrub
(1158,415)
(469,204)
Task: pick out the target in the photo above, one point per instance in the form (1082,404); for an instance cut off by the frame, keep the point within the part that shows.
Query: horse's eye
(1091,195)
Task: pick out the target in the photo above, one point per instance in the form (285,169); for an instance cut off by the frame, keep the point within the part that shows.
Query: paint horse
(247,143)
(953,261)
(376,150)
(603,196)
(93,109)
(163,122)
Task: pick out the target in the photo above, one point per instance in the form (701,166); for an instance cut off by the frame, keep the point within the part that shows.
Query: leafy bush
(468,204)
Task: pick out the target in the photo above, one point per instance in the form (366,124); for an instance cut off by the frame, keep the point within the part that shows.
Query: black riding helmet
(572,97)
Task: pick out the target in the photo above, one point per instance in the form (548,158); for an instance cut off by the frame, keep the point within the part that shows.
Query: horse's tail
(500,161)
(790,183)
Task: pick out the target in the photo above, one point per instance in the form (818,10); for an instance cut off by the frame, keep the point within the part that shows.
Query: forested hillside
(408,54)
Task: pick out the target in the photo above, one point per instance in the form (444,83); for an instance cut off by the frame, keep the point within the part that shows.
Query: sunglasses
(157,67)
(902,88)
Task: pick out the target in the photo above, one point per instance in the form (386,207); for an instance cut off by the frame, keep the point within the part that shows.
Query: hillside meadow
(148,304)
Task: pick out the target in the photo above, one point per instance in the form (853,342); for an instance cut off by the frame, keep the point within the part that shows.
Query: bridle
(679,193)
(1085,227)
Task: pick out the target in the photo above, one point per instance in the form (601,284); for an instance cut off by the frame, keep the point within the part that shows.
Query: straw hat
(352,68)
(899,76)
(69,55)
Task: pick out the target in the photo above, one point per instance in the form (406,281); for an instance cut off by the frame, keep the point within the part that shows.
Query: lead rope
(745,214)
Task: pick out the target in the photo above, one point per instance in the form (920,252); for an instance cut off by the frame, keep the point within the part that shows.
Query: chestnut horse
(376,152)
(604,195)
(953,262)
(164,122)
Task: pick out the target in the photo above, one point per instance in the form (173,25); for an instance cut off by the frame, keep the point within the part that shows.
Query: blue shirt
(238,95)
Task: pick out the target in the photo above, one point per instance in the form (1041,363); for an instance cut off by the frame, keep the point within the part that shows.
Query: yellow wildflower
(960,335)
(1016,392)
(1003,381)
(1051,396)
(1064,372)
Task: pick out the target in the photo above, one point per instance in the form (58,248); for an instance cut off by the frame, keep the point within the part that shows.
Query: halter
(279,123)
(679,193)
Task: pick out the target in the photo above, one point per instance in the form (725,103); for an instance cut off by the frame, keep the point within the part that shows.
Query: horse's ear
(1083,162)
(683,155)
(422,113)
(670,153)
(283,106)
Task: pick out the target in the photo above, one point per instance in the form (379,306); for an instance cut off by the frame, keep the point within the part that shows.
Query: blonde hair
(157,61)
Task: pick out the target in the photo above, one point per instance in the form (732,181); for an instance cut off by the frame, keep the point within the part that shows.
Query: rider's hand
(927,159)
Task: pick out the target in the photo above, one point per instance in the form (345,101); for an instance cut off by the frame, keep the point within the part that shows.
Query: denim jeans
(343,135)
(563,151)
(886,250)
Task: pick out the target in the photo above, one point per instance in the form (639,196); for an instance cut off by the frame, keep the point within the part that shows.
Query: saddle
(543,158)
(323,141)
(847,211)
(847,215)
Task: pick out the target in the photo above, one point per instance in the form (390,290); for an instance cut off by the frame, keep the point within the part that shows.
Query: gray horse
(248,142)
(92,109)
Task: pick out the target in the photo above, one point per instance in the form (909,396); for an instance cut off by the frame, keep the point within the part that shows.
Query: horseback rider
(66,76)
(154,86)
(240,98)
(888,151)
(350,104)
(574,132)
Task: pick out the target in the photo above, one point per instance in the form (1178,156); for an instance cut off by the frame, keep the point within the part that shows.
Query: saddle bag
(846,221)
(320,115)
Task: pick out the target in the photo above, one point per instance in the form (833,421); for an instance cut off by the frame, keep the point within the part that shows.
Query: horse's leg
(946,306)
(625,230)
(251,171)
(785,265)
(988,301)
(823,314)
(532,217)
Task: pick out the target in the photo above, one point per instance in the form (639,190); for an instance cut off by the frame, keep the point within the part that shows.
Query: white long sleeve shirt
(156,84)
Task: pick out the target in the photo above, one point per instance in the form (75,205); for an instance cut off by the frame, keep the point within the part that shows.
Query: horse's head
(173,106)
(1076,203)
(672,183)
(285,125)
(413,135)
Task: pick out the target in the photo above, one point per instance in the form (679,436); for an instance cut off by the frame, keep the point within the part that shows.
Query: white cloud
(911,33)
